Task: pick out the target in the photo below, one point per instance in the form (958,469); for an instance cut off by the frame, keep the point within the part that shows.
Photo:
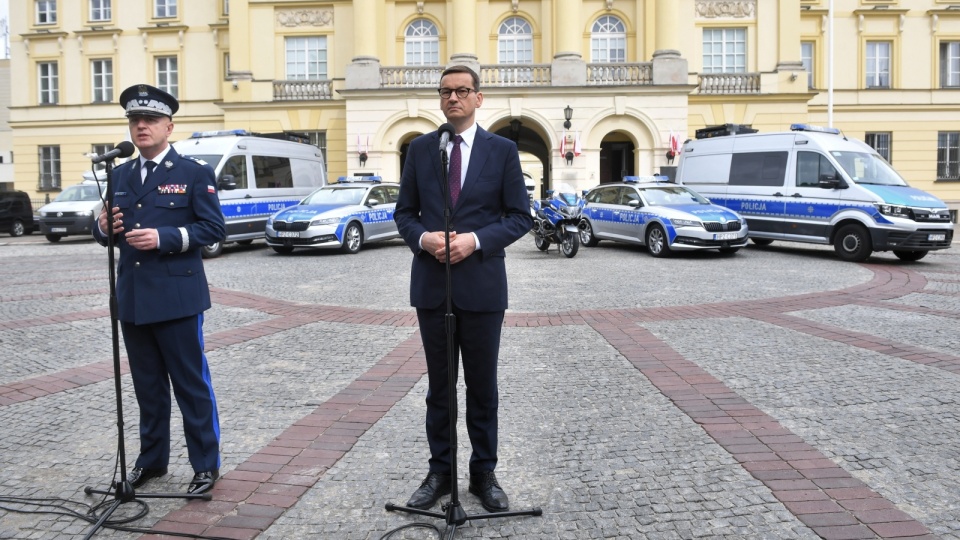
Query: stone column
(669,68)
(463,44)
(363,71)
(788,43)
(568,68)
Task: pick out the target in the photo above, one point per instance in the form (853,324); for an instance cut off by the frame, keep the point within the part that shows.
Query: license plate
(936,237)
(725,236)
(288,234)
(64,229)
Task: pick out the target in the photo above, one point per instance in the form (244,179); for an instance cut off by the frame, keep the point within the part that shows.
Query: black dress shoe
(492,497)
(138,476)
(434,486)
(203,481)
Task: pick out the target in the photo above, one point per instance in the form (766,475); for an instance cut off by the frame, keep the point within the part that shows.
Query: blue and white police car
(662,216)
(345,215)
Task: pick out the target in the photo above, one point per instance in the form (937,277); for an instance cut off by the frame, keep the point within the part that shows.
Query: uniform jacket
(166,283)
(493,204)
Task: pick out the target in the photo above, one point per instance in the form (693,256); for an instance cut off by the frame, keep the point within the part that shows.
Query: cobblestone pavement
(776,393)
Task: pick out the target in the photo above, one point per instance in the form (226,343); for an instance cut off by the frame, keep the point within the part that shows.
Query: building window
(46,11)
(880,141)
(101,75)
(319,139)
(806,56)
(164,9)
(950,64)
(226,66)
(948,155)
(515,42)
(878,64)
(168,78)
(724,50)
(608,40)
(306,58)
(226,7)
(49,83)
(99,150)
(100,10)
(49,167)
(421,44)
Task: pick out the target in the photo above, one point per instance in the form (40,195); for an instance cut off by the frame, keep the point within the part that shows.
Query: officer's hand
(143,239)
(461,247)
(115,225)
(435,244)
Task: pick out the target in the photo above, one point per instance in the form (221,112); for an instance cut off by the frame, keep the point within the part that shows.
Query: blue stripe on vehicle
(238,208)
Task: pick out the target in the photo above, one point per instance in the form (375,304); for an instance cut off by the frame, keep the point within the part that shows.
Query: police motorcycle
(556,220)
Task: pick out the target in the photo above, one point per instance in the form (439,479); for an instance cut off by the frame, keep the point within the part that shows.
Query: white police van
(813,184)
(257,176)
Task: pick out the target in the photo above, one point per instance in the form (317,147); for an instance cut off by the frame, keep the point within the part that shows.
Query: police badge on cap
(146,100)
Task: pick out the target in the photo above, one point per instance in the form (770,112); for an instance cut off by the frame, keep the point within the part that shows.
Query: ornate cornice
(736,9)
(305,17)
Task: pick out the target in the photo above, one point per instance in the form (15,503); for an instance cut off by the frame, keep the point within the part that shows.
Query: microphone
(123,150)
(445,131)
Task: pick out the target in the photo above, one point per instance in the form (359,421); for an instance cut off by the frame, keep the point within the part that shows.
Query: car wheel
(212,251)
(586,235)
(729,250)
(53,238)
(283,250)
(352,239)
(657,243)
(17,228)
(570,245)
(542,243)
(852,243)
(761,241)
(910,256)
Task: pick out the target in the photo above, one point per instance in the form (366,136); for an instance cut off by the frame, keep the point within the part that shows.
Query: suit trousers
(172,352)
(477,341)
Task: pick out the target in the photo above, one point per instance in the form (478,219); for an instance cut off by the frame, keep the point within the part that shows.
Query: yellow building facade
(359,77)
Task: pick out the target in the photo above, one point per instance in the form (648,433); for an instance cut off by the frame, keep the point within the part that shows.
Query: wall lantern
(569,157)
(363,159)
(567,115)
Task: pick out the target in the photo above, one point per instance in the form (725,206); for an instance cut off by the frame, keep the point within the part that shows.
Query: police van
(257,176)
(813,184)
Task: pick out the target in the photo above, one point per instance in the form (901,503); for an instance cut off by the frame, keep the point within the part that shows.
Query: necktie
(150,166)
(454,175)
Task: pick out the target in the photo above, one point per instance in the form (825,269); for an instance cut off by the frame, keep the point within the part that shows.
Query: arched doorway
(617,157)
(534,153)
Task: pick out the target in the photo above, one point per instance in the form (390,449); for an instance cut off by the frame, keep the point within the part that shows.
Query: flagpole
(830,65)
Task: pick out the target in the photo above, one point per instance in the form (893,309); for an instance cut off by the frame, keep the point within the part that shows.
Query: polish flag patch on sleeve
(211,189)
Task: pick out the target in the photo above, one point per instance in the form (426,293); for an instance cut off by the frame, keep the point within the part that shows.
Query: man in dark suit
(165,209)
(490,212)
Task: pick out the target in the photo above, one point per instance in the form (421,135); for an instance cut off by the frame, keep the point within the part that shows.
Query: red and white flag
(674,143)
(563,143)
(576,145)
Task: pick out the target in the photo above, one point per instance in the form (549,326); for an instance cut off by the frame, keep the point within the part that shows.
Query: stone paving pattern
(777,393)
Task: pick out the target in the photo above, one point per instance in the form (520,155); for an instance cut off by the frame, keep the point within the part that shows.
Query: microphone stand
(454,514)
(123,491)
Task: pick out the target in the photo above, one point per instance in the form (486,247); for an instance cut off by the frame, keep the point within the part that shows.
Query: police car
(345,215)
(664,217)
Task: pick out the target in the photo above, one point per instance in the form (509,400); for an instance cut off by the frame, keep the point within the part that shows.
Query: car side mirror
(372,202)
(829,181)
(633,204)
(227,182)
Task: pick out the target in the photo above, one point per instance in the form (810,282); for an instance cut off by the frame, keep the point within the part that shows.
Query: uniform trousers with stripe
(171,353)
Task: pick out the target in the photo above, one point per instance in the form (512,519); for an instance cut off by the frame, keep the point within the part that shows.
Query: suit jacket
(493,204)
(166,283)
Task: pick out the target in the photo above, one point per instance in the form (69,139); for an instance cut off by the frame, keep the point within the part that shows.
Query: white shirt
(465,147)
(158,159)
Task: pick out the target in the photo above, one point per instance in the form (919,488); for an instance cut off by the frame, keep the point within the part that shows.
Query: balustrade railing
(729,83)
(619,74)
(302,90)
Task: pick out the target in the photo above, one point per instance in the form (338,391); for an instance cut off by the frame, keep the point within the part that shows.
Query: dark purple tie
(454,175)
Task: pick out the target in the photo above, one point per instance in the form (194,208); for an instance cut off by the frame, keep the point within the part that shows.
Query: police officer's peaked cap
(147,100)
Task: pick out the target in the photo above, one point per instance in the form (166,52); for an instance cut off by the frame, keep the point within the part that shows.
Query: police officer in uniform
(165,210)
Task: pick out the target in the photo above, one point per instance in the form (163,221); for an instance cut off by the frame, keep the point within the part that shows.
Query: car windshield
(79,193)
(671,196)
(866,168)
(339,195)
(209,159)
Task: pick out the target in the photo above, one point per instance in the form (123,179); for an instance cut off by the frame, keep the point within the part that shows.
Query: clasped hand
(142,239)
(461,246)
